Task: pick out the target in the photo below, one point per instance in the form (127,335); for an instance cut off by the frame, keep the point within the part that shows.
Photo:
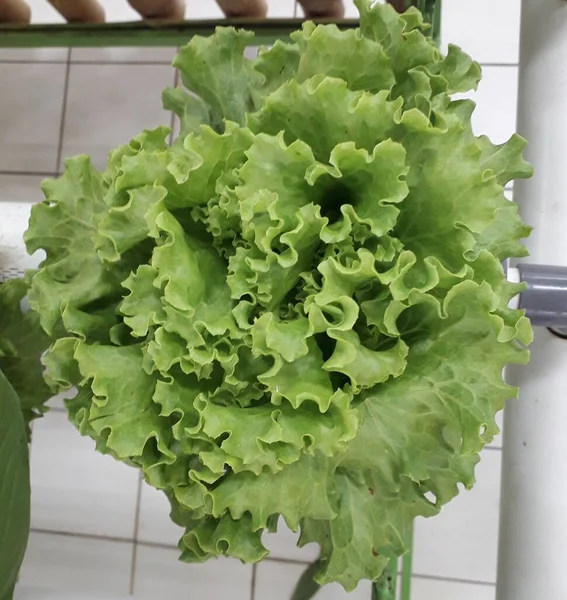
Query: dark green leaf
(14,488)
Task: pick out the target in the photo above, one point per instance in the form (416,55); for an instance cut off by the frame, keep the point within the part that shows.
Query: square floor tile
(283,544)
(31,105)
(155,524)
(76,489)
(431,589)
(487,40)
(159,574)
(462,541)
(109,104)
(75,564)
(277,580)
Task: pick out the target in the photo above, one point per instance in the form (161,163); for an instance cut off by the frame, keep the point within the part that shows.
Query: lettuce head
(297,307)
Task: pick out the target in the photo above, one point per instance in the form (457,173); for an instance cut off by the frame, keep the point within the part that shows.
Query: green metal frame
(144,33)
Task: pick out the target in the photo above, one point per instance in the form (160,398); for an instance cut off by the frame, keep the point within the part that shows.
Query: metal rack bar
(407,565)
(144,33)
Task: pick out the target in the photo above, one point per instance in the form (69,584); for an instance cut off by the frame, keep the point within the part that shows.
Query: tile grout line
(453,580)
(28,173)
(503,65)
(492,448)
(63,111)
(98,63)
(267,559)
(86,536)
(136,533)
(123,540)
(163,62)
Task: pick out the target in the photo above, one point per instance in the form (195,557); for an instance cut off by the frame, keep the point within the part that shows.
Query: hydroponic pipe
(533,514)
(545,296)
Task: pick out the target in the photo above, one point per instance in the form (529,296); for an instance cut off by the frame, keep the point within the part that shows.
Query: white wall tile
(43,12)
(276,581)
(33,54)
(13,253)
(351,12)
(17,194)
(461,542)
(159,574)
(27,592)
(487,30)
(127,54)
(76,489)
(431,589)
(280,9)
(80,565)
(30,116)
(283,544)
(21,188)
(497,441)
(203,9)
(155,524)
(108,105)
(58,401)
(496,99)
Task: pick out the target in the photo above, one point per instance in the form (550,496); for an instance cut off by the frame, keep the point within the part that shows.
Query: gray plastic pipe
(545,296)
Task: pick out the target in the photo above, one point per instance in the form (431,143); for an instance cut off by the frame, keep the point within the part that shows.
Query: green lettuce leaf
(22,344)
(297,307)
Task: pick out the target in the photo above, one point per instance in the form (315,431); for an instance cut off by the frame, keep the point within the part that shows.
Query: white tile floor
(96,527)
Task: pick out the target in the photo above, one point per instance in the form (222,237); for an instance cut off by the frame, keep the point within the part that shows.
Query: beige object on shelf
(323,8)
(79,11)
(244,8)
(160,9)
(15,11)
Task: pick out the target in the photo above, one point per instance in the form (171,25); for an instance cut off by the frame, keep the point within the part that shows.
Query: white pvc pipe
(533,522)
